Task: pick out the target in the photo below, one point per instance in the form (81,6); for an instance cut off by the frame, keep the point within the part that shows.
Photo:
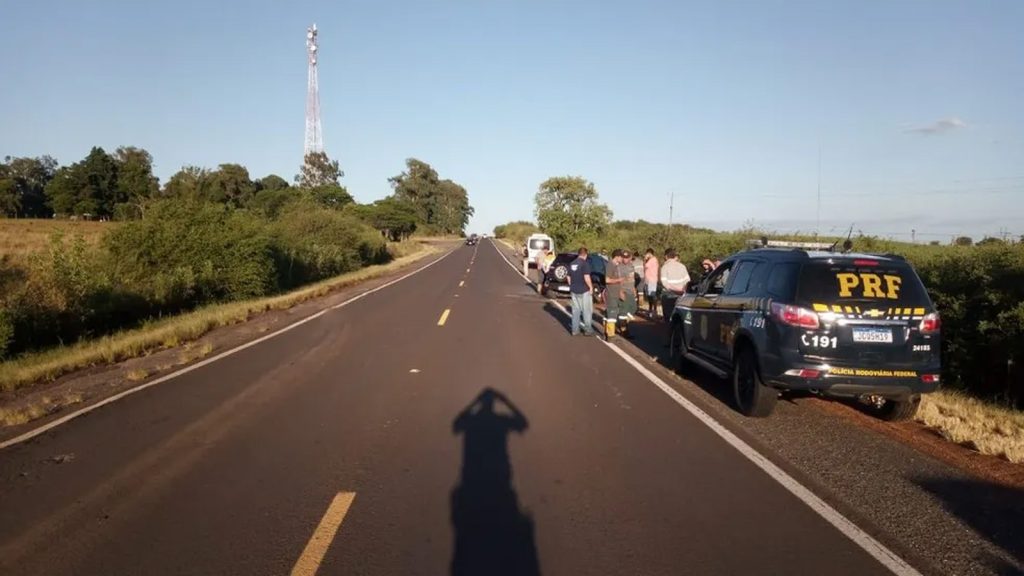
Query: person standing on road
(628,297)
(581,288)
(652,269)
(541,263)
(674,279)
(638,275)
(613,293)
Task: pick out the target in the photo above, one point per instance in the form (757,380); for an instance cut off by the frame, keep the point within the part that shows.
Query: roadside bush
(515,232)
(980,292)
(56,298)
(185,253)
(313,243)
(6,332)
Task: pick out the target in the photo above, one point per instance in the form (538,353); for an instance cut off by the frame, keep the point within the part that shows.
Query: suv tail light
(931,324)
(795,316)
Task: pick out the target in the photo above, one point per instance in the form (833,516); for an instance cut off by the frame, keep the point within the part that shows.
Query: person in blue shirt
(581,287)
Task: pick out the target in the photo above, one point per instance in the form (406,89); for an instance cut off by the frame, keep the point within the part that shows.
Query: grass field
(19,237)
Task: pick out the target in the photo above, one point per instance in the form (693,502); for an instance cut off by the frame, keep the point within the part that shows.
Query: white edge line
(71,416)
(869,544)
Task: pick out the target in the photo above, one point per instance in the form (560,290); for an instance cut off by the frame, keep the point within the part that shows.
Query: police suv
(801,316)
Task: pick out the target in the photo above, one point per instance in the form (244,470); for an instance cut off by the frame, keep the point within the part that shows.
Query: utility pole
(913,236)
(671,206)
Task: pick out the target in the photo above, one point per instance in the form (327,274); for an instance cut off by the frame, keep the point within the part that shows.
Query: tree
(62,191)
(319,170)
(135,181)
(418,186)
(270,203)
(230,184)
(191,182)
(88,187)
(964,241)
(10,197)
(451,210)
(100,194)
(272,182)
(394,218)
(29,177)
(443,205)
(567,206)
(331,196)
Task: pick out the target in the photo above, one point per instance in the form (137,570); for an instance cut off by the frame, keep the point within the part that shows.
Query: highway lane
(577,465)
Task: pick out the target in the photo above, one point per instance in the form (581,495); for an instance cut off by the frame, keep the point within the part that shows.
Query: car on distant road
(837,324)
(472,239)
(557,278)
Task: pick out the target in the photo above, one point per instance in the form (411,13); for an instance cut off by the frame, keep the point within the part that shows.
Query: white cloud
(941,126)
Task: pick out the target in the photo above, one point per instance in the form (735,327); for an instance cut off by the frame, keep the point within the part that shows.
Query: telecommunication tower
(314,133)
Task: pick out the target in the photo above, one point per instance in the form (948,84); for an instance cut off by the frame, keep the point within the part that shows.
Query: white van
(534,245)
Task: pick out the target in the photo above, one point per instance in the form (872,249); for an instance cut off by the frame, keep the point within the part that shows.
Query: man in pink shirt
(651,275)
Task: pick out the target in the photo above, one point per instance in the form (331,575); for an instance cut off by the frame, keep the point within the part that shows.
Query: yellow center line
(444,317)
(462,283)
(467,270)
(313,555)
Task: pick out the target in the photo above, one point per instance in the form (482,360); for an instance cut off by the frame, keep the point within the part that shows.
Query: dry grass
(170,332)
(137,375)
(45,405)
(404,248)
(19,237)
(987,428)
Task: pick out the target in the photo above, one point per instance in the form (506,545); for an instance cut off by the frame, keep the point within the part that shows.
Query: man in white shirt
(674,279)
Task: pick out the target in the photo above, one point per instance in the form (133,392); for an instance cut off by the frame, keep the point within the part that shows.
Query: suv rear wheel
(898,410)
(675,343)
(752,397)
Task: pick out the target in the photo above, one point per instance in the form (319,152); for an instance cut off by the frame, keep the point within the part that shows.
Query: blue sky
(915,106)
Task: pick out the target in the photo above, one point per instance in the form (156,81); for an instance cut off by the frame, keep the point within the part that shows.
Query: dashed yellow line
(309,562)
(467,270)
(462,283)
(444,317)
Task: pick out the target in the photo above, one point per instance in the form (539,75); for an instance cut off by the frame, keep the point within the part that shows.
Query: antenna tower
(314,132)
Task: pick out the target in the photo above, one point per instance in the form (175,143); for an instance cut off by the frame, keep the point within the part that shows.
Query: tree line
(119,186)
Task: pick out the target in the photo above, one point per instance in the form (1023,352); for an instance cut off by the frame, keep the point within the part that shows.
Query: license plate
(563,288)
(873,335)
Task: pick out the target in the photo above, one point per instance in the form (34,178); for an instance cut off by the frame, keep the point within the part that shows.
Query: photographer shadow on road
(492,535)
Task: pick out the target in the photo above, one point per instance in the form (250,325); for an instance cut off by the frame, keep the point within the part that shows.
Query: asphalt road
(447,424)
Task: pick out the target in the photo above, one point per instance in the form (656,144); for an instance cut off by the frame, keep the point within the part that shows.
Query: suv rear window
(782,280)
(538,244)
(852,281)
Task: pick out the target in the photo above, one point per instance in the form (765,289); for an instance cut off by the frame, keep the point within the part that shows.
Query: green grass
(172,332)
